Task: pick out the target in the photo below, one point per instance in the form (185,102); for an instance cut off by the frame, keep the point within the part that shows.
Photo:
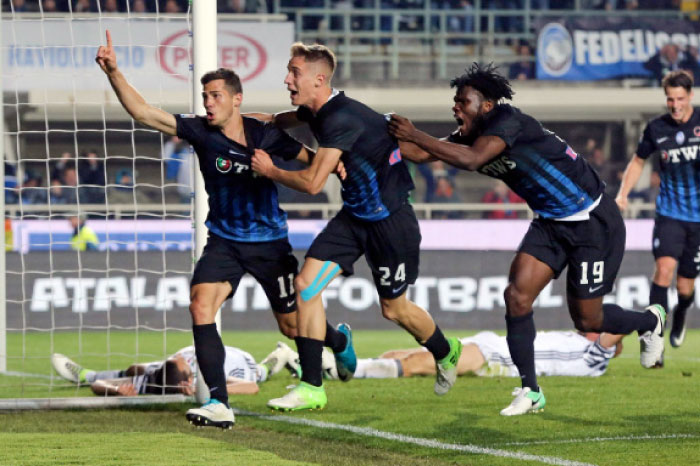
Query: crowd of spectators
(72,181)
(505,23)
(133,6)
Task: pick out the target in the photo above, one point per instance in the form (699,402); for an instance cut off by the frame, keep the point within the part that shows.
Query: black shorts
(592,249)
(271,263)
(391,246)
(680,240)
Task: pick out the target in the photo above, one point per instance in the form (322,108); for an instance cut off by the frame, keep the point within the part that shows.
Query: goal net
(76,164)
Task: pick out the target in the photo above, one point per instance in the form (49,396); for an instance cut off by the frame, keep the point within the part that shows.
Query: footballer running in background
(675,138)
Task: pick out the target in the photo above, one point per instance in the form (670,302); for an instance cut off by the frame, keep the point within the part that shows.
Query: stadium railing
(393,36)
(326,210)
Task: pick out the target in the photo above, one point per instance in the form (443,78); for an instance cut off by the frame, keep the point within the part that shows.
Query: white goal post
(61,103)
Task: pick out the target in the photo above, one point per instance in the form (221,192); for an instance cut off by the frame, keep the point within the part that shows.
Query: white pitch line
(26,374)
(369,432)
(601,439)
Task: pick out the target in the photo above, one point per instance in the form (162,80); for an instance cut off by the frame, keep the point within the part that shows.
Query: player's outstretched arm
(236,386)
(629,180)
(114,387)
(129,97)
(484,148)
(283,120)
(310,180)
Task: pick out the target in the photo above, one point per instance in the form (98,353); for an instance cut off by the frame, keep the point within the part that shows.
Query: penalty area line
(601,439)
(430,443)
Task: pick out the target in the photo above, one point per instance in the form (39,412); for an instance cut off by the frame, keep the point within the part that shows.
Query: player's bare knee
(289,331)
(588,324)
(200,311)
(301,283)
(517,302)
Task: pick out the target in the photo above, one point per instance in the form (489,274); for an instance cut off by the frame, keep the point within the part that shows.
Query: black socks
(210,357)
(437,344)
(621,321)
(310,358)
(521,344)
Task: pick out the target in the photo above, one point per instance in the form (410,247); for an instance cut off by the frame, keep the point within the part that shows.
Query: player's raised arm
(310,180)
(629,180)
(470,158)
(129,97)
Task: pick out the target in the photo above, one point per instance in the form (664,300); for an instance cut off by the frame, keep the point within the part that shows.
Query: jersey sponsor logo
(593,289)
(660,140)
(223,165)
(498,167)
(555,49)
(680,137)
(688,153)
(395,156)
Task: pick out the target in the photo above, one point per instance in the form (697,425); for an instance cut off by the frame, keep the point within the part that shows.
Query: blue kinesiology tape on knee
(320,281)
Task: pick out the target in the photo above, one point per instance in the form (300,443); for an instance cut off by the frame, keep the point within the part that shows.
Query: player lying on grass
(486,354)
(177,374)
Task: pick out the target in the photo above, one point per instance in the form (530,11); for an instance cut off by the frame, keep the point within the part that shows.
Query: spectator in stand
(500,193)
(32,192)
(18,6)
(525,68)
(671,58)
(110,6)
(609,171)
(124,192)
(49,6)
(83,6)
(61,193)
(445,194)
(10,184)
(139,6)
(91,172)
(172,7)
(430,172)
(59,167)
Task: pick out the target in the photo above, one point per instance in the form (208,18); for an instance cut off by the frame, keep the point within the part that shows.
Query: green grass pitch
(630,416)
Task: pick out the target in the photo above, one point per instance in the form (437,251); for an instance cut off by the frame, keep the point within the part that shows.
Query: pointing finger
(109,39)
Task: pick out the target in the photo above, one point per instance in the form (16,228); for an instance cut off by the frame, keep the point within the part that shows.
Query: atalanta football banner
(461,289)
(594,48)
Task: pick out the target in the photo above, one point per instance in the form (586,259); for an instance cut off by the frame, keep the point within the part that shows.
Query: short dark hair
(231,79)
(166,379)
(678,78)
(315,53)
(486,80)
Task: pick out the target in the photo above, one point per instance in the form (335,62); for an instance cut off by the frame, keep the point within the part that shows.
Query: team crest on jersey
(223,165)
(680,137)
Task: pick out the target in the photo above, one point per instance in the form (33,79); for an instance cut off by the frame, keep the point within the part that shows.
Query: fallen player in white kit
(486,354)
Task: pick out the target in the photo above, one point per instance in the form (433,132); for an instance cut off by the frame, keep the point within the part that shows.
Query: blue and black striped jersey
(679,164)
(377,182)
(242,205)
(537,164)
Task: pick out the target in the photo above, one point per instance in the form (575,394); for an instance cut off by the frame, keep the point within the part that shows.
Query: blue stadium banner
(593,48)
